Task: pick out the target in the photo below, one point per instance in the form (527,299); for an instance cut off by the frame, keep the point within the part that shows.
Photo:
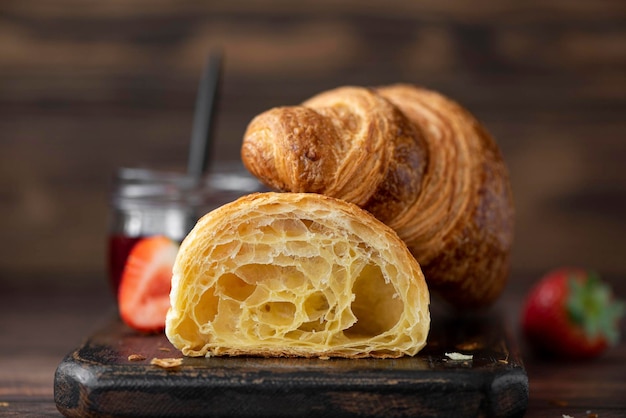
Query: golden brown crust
(415,159)
(348,143)
(296,274)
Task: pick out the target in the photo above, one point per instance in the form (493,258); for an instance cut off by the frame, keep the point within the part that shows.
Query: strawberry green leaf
(591,306)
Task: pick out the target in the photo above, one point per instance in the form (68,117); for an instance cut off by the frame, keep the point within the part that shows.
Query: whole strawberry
(571,313)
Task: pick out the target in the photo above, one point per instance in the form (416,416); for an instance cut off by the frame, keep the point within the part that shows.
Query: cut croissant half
(296,274)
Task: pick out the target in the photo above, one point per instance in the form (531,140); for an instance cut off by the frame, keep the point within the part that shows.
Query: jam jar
(147,202)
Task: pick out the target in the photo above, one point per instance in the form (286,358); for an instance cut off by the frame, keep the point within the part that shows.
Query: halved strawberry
(143,296)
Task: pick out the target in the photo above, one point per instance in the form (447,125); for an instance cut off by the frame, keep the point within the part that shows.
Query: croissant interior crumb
(279,285)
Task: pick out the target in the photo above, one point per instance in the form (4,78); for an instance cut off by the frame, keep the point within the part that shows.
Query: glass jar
(146,202)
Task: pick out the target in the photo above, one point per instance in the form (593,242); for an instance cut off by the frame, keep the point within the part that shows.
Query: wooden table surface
(86,87)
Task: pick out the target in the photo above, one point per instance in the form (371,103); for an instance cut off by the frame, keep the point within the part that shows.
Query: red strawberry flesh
(143,297)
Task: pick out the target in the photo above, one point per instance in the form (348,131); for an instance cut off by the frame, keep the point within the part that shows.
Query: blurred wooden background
(87,86)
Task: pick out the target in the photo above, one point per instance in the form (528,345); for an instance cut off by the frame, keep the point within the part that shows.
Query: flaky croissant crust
(416,160)
(296,274)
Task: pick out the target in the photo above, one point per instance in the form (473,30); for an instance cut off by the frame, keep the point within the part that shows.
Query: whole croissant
(416,160)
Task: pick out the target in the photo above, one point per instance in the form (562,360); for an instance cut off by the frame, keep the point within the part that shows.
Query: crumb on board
(167,350)
(459,356)
(589,415)
(4,404)
(167,363)
(136,357)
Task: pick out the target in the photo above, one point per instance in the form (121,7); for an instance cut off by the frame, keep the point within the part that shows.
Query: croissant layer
(416,160)
(296,274)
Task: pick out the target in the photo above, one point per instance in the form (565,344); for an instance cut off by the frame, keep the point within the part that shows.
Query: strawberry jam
(119,248)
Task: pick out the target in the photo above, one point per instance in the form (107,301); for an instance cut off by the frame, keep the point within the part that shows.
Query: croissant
(416,160)
(296,274)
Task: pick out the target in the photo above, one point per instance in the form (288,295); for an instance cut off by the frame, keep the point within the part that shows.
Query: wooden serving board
(98,379)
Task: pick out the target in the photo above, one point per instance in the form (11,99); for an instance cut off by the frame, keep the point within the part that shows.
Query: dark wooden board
(98,379)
